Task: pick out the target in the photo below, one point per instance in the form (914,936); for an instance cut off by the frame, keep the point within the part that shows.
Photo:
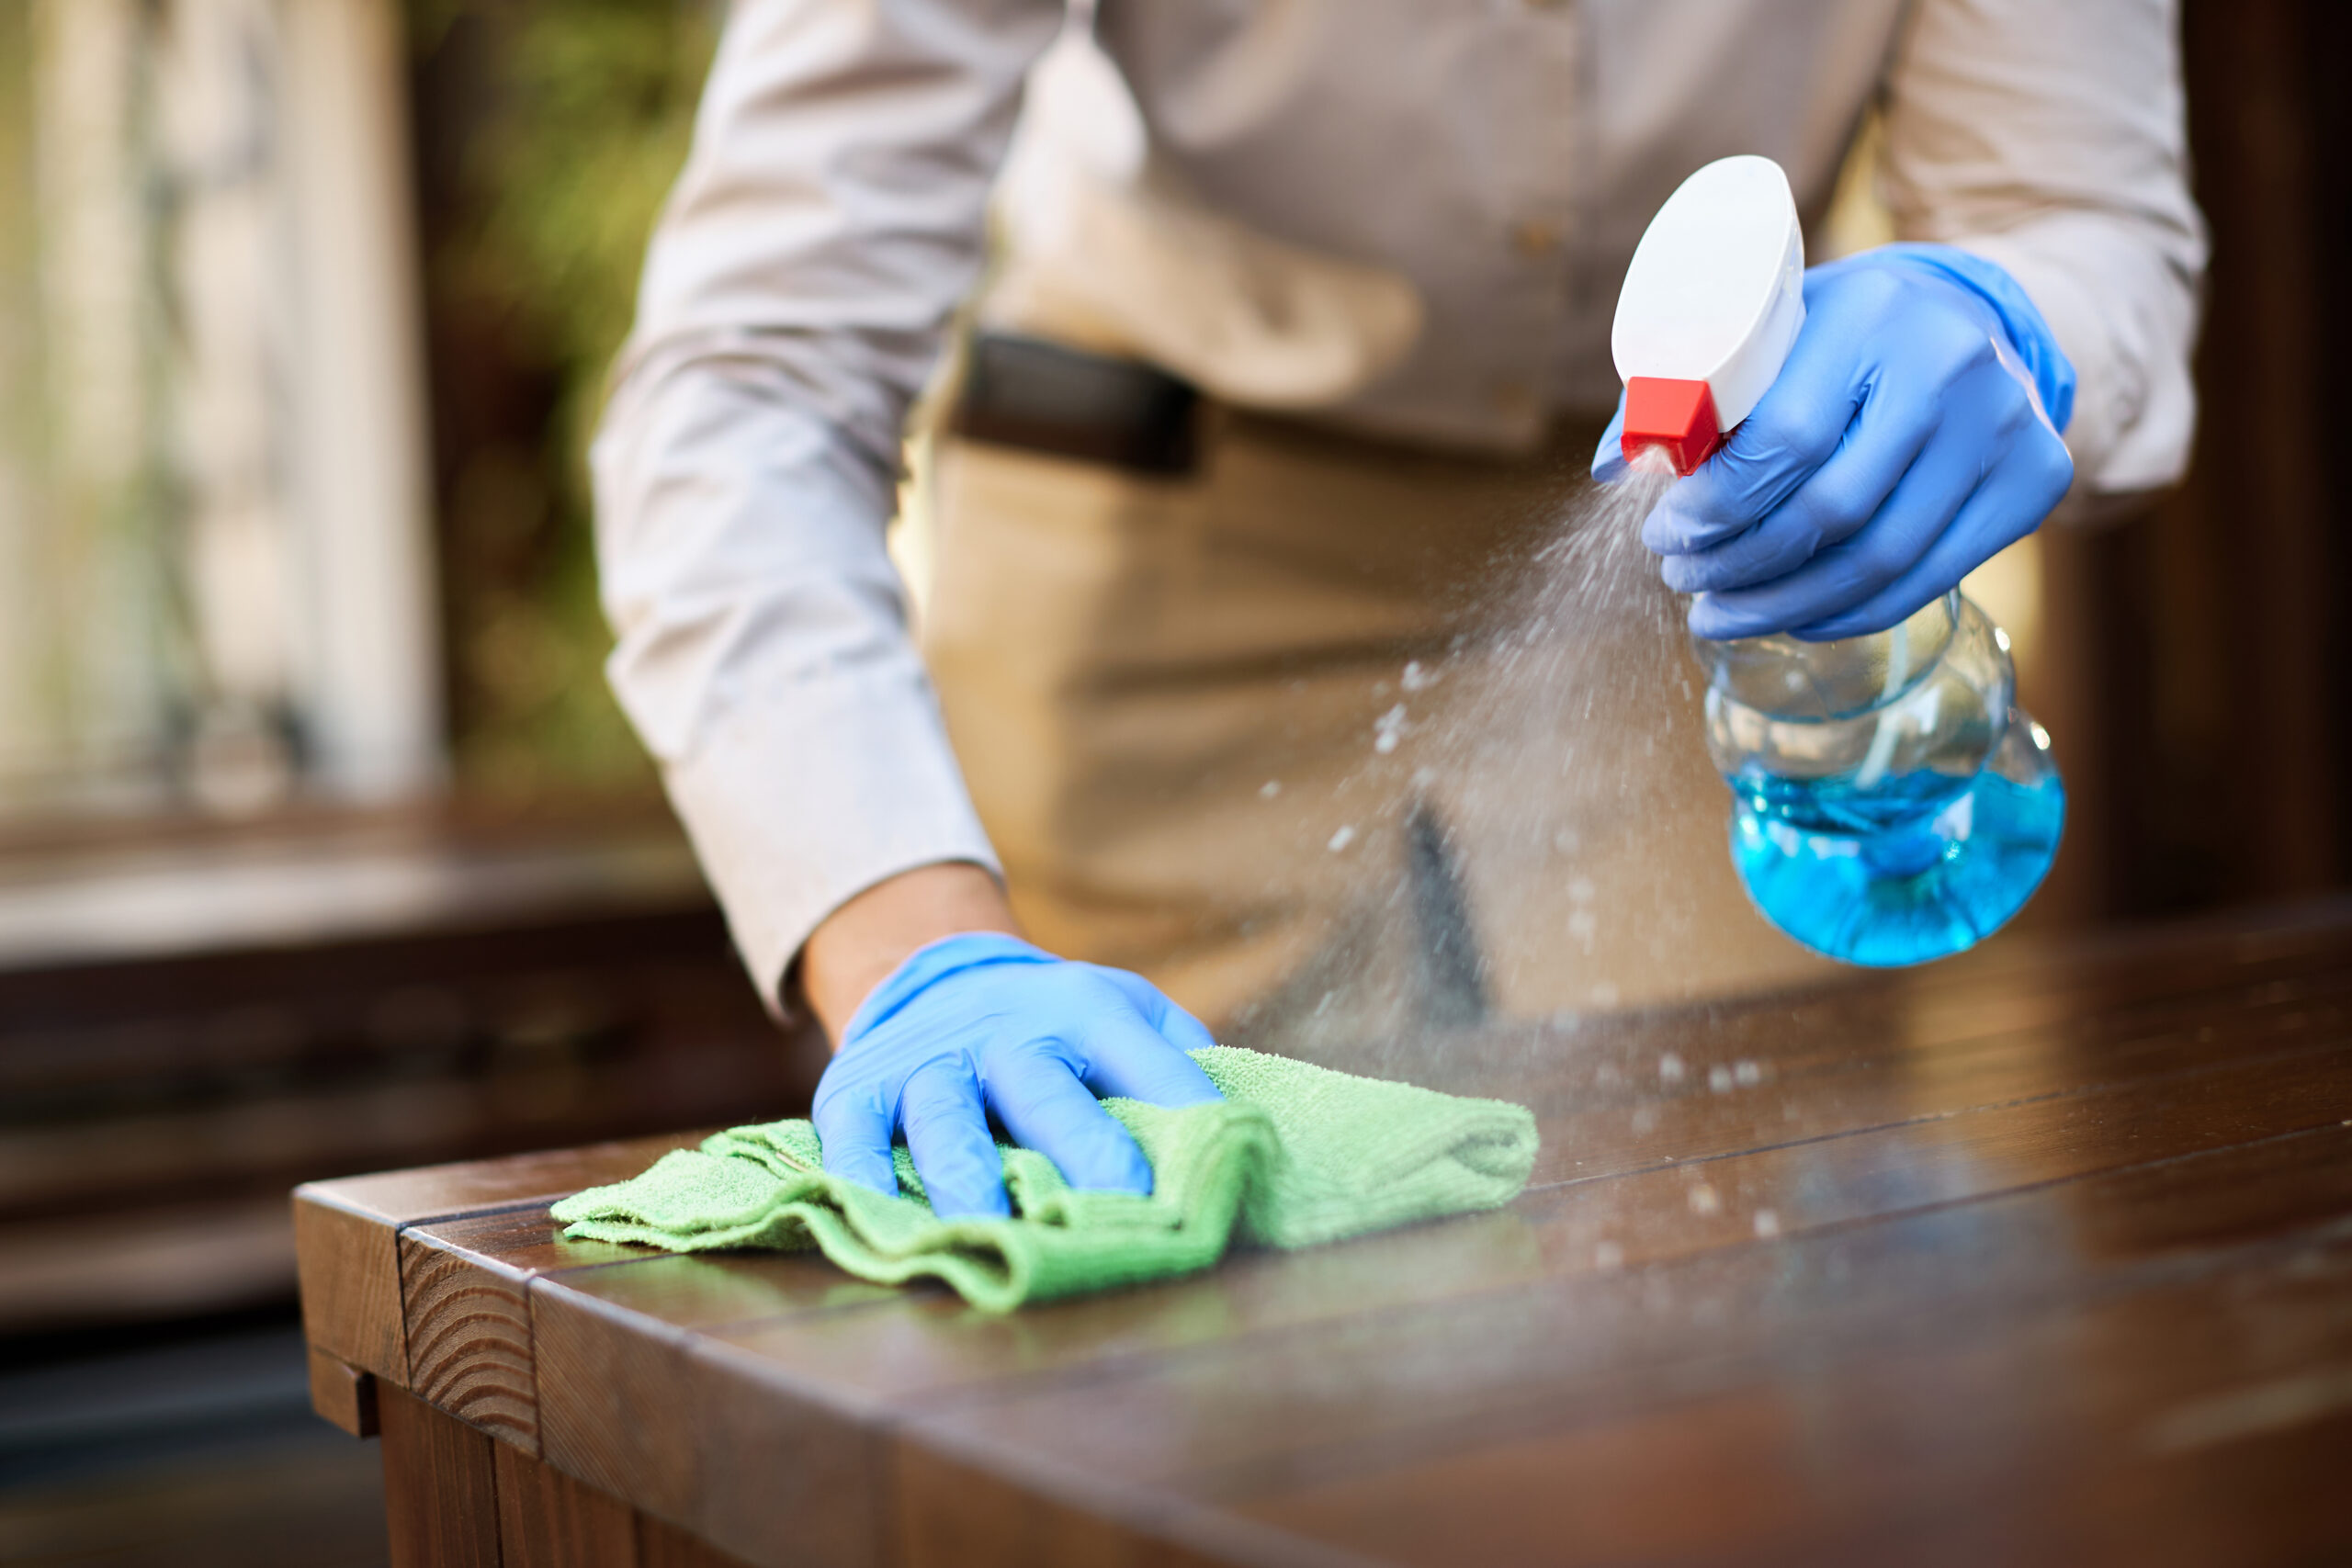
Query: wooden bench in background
(191,1022)
(2043,1255)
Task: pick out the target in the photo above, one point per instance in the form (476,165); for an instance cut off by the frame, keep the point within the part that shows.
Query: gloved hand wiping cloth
(1291,1155)
(982,1024)
(1911,434)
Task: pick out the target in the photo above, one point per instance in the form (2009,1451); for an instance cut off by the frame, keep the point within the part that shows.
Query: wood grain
(440,1487)
(1880,1422)
(469,1341)
(546,1519)
(923,1349)
(2042,1257)
(342,1394)
(2210,1272)
(467,1318)
(404,1197)
(702,1438)
(346,1235)
(347,1265)
(955,1515)
(665,1546)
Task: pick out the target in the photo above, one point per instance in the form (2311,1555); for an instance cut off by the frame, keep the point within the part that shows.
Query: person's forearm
(2049,139)
(828,222)
(859,945)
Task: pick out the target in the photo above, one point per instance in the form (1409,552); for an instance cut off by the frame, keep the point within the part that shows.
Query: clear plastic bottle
(1890,802)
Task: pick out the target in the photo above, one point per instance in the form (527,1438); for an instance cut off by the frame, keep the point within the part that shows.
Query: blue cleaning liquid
(1917,868)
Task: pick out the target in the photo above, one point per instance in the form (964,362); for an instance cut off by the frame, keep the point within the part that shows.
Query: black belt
(1041,397)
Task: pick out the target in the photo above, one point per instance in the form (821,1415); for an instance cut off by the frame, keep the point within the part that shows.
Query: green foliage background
(586,110)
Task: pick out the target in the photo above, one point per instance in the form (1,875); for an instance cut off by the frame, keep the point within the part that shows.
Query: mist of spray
(1491,769)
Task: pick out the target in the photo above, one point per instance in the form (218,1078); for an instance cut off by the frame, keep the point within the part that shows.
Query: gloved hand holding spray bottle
(1852,441)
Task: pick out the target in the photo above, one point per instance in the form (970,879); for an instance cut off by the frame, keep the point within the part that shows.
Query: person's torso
(1502,155)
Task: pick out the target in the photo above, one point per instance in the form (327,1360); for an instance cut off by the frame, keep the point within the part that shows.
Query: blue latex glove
(1912,436)
(983,1023)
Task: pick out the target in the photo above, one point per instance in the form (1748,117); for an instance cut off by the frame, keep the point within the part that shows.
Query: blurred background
(322,845)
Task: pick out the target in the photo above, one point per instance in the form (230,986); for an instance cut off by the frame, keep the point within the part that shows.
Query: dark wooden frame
(2040,1255)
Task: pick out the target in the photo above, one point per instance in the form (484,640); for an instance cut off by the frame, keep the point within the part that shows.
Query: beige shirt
(1406,216)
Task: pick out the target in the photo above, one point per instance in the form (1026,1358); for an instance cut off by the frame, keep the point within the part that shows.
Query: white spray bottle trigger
(1713,301)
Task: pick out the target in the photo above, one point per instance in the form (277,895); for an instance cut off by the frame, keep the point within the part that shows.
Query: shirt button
(1534,238)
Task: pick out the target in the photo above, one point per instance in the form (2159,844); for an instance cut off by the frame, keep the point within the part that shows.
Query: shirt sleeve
(826,225)
(2052,140)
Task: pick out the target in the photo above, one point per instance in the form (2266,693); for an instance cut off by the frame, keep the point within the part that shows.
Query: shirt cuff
(2127,329)
(2030,335)
(799,804)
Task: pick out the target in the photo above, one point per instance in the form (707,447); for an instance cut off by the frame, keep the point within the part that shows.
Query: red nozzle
(1676,416)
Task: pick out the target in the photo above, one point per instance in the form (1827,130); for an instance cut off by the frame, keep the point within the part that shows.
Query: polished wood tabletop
(2044,1254)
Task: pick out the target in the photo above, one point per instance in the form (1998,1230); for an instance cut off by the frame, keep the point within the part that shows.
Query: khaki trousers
(1335,741)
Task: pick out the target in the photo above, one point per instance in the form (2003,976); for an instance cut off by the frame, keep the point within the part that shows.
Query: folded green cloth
(1292,1155)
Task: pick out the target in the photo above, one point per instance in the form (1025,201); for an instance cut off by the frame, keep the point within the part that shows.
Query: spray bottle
(1891,804)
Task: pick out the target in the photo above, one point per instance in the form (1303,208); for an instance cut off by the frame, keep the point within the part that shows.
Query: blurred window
(212,484)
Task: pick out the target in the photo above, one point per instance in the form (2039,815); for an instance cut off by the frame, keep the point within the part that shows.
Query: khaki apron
(1335,740)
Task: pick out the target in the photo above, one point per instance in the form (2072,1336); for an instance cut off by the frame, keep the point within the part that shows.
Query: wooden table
(2041,1256)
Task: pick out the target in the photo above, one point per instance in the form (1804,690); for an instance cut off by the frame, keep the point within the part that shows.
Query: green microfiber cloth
(1292,1155)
